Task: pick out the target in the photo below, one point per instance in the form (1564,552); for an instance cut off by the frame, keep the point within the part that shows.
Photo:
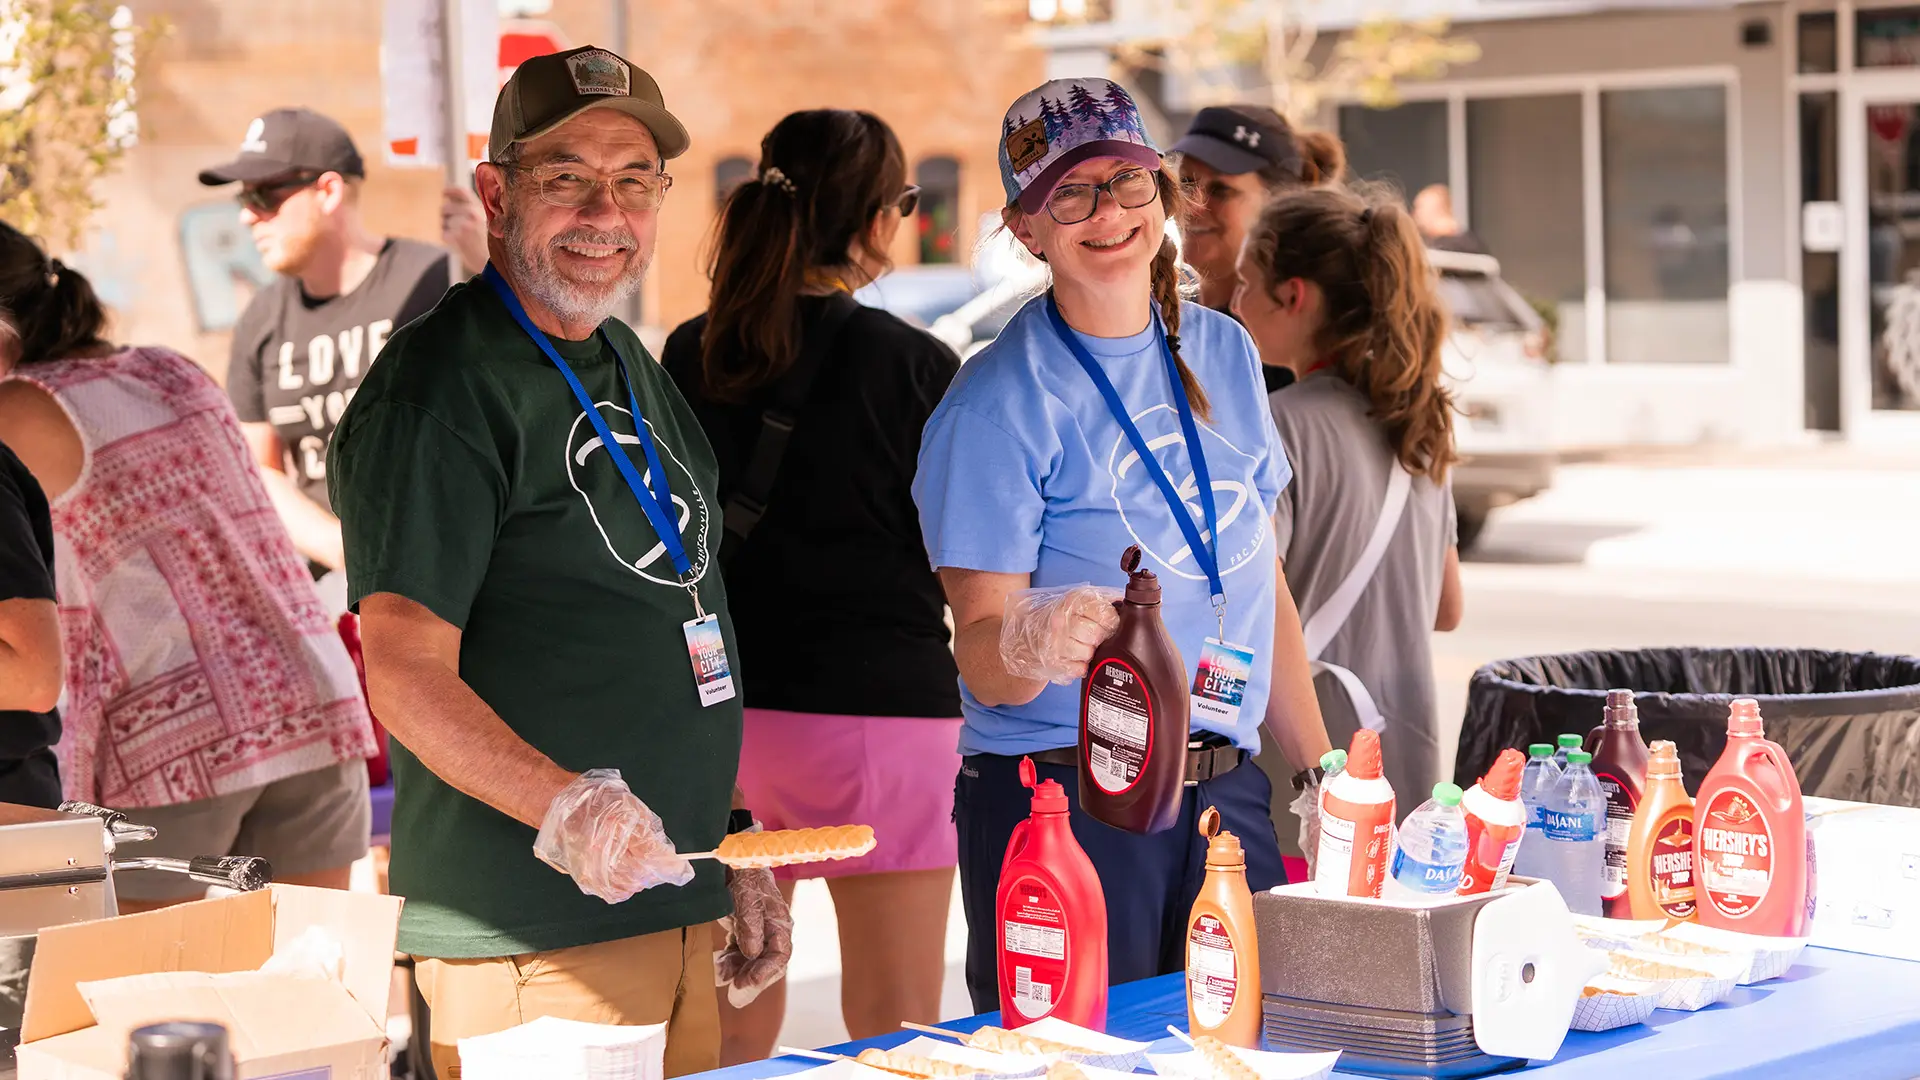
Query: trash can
(1849,721)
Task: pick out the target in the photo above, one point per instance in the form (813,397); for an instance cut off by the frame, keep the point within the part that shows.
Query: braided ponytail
(1166,293)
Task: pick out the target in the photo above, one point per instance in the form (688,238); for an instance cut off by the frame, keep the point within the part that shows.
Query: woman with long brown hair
(814,405)
(1111,412)
(1335,285)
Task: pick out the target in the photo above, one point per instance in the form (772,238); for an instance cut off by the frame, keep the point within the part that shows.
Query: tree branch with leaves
(67,109)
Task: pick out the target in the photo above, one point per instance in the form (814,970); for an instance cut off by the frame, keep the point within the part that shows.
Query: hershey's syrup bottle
(1133,716)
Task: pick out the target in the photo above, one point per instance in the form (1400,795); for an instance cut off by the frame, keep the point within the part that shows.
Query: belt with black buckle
(1208,757)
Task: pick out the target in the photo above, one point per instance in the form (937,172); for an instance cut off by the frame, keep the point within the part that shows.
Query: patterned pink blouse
(199,660)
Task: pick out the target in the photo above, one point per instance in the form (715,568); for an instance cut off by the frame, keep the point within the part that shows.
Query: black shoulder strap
(748,503)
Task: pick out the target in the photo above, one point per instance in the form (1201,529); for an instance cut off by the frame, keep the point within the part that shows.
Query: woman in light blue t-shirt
(1028,480)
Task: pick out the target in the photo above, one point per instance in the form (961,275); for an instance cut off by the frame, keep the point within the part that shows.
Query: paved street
(1794,552)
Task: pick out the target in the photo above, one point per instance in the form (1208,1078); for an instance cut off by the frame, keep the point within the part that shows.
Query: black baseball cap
(547,91)
(1235,139)
(286,141)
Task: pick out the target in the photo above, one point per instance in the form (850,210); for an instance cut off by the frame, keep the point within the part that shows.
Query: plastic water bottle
(1576,835)
(1536,790)
(1432,848)
(1564,745)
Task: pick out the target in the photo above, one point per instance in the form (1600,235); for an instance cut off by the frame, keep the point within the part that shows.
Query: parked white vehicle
(1495,358)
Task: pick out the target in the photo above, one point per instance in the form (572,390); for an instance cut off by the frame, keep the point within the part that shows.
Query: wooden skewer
(925,1029)
(816,1055)
(1181,1035)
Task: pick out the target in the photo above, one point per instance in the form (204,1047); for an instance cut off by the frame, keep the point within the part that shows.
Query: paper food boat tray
(1120,1055)
(1623,1003)
(1767,957)
(1713,980)
(1268,1065)
(1009,1066)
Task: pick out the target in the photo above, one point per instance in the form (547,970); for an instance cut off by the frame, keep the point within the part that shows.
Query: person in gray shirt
(1336,286)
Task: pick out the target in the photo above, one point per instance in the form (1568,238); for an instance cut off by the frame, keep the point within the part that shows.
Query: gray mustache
(615,237)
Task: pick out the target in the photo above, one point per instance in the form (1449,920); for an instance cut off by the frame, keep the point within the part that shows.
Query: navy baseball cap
(1235,139)
(288,141)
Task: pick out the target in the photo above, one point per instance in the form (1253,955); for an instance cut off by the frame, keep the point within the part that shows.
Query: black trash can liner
(1850,722)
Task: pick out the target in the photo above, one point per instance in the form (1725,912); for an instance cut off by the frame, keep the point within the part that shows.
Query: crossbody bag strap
(1333,614)
(748,502)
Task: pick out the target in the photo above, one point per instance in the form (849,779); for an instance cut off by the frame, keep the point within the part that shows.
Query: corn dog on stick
(749,851)
(909,1065)
(1001,1041)
(1225,1063)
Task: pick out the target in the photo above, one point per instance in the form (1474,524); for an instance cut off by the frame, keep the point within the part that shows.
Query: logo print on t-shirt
(1243,526)
(618,516)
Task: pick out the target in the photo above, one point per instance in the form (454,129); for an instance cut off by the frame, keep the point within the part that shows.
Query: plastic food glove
(1306,806)
(600,834)
(759,937)
(1052,633)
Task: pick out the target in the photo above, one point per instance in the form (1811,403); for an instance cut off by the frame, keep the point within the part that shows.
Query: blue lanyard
(1203,547)
(657,501)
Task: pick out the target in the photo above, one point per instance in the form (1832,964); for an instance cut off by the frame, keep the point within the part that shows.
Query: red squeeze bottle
(1496,820)
(1133,716)
(1620,764)
(1750,835)
(1052,919)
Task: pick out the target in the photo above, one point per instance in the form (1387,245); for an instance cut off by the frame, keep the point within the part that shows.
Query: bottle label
(1578,828)
(1119,727)
(1213,977)
(1620,807)
(1423,877)
(1490,853)
(1033,937)
(1352,860)
(1670,877)
(1736,854)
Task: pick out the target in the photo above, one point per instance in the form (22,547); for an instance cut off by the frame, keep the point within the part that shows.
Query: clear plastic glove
(1306,806)
(759,937)
(1052,633)
(600,834)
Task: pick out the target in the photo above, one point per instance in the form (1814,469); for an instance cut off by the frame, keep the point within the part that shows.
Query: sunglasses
(267,197)
(909,200)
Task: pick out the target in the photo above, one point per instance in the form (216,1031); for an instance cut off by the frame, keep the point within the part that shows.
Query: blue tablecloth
(1834,1015)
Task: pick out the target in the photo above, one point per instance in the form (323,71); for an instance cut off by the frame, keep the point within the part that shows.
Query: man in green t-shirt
(551,663)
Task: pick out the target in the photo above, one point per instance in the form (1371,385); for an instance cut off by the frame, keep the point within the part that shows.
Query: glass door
(1880,313)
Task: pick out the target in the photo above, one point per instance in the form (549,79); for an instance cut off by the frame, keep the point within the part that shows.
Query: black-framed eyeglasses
(1071,204)
(266,197)
(571,186)
(909,200)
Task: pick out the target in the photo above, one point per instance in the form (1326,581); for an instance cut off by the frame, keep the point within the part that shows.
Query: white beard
(587,303)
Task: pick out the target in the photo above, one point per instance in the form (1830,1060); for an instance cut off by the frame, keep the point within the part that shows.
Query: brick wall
(940,71)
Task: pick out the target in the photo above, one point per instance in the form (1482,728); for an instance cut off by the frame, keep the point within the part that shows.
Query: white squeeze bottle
(1356,824)
(1536,791)
(1431,849)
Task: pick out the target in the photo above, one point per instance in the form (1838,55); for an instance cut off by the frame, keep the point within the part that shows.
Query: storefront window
(1819,43)
(1404,146)
(730,174)
(1525,180)
(1664,195)
(939,213)
(1886,37)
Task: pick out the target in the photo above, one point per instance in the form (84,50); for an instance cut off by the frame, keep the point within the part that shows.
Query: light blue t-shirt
(1024,471)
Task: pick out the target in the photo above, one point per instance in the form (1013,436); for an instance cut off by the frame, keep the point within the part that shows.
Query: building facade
(172,260)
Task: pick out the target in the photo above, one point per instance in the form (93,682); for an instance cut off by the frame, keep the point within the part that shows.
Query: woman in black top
(851,690)
(30,651)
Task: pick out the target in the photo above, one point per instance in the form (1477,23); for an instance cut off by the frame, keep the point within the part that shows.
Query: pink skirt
(807,770)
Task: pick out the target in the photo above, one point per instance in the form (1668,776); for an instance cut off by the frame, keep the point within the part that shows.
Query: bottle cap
(1620,710)
(1142,586)
(1579,757)
(1446,794)
(1333,759)
(1223,848)
(1569,742)
(1540,749)
(1503,780)
(1743,717)
(1664,760)
(1048,796)
(1363,759)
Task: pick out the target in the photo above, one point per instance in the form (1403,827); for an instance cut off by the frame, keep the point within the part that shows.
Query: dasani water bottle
(1575,829)
(1432,848)
(1536,790)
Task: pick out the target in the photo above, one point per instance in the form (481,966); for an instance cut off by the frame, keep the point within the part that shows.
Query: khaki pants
(659,978)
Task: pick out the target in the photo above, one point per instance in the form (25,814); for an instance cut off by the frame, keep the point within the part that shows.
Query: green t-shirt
(468,479)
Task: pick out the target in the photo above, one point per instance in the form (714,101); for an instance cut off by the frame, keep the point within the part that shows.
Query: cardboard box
(1866,877)
(93,983)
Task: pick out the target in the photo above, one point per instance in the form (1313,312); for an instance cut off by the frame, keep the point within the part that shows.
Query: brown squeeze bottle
(1620,764)
(1133,716)
(1223,949)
